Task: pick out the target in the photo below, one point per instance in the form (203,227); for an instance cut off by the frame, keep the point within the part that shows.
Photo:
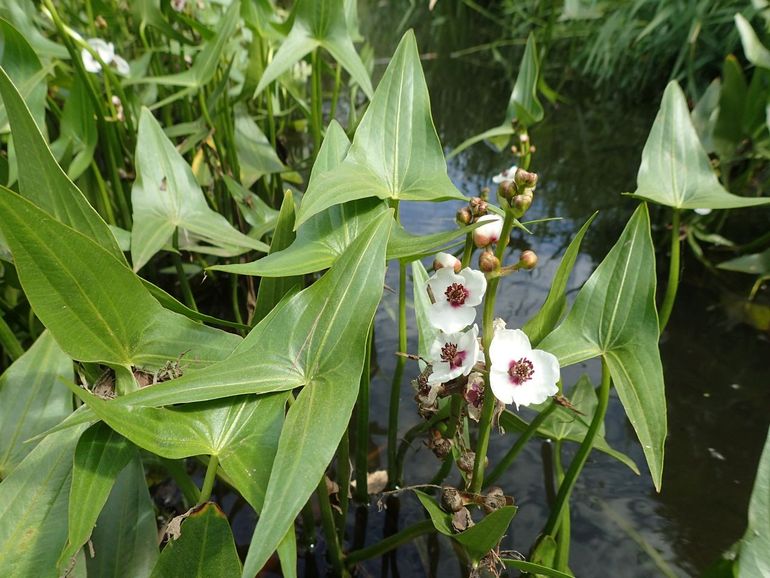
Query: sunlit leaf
(675,170)
(704,114)
(100,456)
(318,418)
(395,153)
(545,320)
(41,179)
(205,547)
(94,306)
(754,557)
(256,156)
(33,507)
(493,134)
(614,316)
(31,400)
(524,105)
(166,196)
(125,538)
(318,23)
(755,51)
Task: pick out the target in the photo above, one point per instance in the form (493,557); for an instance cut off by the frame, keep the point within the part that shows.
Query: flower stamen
(521,371)
(456,294)
(450,355)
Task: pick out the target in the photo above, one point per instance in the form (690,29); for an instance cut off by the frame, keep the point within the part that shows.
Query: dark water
(716,368)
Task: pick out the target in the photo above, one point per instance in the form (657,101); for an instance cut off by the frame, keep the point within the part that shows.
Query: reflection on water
(716,374)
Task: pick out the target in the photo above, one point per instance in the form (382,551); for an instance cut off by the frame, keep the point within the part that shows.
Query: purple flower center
(456,294)
(521,371)
(450,355)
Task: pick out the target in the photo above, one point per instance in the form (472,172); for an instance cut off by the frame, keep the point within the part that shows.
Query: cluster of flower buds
(518,192)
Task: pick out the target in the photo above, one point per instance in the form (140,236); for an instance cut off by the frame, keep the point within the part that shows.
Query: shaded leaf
(755,264)
(675,170)
(395,153)
(166,196)
(754,557)
(318,23)
(614,316)
(31,400)
(524,105)
(256,156)
(318,418)
(19,61)
(78,130)
(254,210)
(535,569)
(206,547)
(755,51)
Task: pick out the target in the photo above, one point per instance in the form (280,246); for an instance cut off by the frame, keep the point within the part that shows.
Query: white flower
(455,297)
(106,51)
(447,260)
(178,5)
(702,211)
(520,374)
(489,232)
(506,176)
(453,355)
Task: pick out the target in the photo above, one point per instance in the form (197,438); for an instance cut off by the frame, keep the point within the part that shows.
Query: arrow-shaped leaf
(524,105)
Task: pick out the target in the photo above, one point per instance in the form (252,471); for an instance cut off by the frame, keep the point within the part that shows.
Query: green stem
(11,345)
(104,195)
(327,522)
(488,408)
(406,535)
(343,481)
(576,466)
(673,274)
(525,436)
(468,251)
(398,374)
(208,481)
(336,93)
(454,419)
(563,539)
(316,106)
(183,281)
(362,425)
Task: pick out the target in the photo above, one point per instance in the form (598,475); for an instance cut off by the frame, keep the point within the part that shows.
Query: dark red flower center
(456,294)
(450,355)
(521,371)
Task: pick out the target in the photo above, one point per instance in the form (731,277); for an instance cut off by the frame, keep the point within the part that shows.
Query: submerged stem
(576,466)
(673,274)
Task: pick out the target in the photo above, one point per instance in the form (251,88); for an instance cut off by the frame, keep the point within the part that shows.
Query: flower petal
(476,284)
(508,345)
(441,280)
(121,66)
(501,385)
(450,319)
(546,366)
(89,62)
(533,391)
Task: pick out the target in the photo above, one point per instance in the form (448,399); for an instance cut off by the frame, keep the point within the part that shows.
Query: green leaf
(442,521)
(614,316)
(564,424)
(166,196)
(205,65)
(524,105)
(256,156)
(534,569)
(63,274)
(100,455)
(755,51)
(728,130)
(425,330)
(754,557)
(272,290)
(492,135)
(21,64)
(125,538)
(78,130)
(675,170)
(318,418)
(33,507)
(205,548)
(31,400)
(318,23)
(255,211)
(41,179)
(755,264)
(544,321)
(705,113)
(396,153)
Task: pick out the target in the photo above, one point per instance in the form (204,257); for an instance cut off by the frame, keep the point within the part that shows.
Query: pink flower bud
(447,260)
(489,232)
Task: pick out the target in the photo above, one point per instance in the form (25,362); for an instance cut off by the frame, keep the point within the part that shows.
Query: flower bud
(506,190)
(489,232)
(461,520)
(464,216)
(528,260)
(488,262)
(447,260)
(465,462)
(521,203)
(525,179)
(451,500)
(478,206)
(494,500)
(440,446)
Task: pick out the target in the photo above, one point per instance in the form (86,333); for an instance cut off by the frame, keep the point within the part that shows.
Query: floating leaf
(754,557)
(100,455)
(614,316)
(675,170)
(318,23)
(31,400)
(167,197)
(125,538)
(205,547)
(545,320)
(117,322)
(33,507)
(396,153)
(524,105)
(318,418)
(755,51)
